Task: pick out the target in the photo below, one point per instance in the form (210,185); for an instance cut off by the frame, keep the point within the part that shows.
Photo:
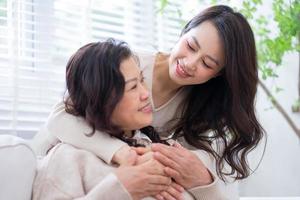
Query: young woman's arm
(70,129)
(194,170)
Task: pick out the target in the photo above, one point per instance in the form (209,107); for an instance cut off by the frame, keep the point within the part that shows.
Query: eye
(143,79)
(206,65)
(133,87)
(190,47)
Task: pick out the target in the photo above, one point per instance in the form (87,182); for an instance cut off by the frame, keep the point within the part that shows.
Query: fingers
(152,167)
(177,187)
(156,189)
(161,148)
(166,195)
(176,144)
(160,180)
(131,158)
(159,197)
(176,194)
(172,173)
(141,150)
(125,156)
(166,161)
(174,191)
(171,152)
(144,158)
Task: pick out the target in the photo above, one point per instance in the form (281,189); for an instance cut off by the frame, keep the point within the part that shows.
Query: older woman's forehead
(130,69)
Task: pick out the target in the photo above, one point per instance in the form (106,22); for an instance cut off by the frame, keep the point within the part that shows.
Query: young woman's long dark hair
(225,104)
(95,86)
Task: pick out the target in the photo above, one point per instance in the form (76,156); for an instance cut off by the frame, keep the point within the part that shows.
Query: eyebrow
(208,56)
(133,79)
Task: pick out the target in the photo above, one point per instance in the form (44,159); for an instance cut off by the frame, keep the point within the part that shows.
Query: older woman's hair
(95,86)
(95,83)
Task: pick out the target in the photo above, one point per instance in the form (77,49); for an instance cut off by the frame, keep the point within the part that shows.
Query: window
(37,37)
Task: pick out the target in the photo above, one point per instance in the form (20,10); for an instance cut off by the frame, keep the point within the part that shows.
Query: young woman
(203,94)
(106,89)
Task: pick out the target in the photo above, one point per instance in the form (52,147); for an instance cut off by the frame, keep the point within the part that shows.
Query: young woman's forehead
(209,40)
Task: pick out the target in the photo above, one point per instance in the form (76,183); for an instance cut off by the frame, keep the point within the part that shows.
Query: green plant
(272,49)
(2,12)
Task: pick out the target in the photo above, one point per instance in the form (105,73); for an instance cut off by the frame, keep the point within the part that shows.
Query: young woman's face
(198,56)
(134,110)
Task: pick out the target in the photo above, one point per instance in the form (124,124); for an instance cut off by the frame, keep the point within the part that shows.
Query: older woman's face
(134,110)
(198,56)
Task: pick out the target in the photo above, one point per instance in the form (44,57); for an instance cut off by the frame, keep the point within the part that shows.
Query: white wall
(279,172)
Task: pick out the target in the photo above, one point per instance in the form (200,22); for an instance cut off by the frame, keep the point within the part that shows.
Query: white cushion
(17,168)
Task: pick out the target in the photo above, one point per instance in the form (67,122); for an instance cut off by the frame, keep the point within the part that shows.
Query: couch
(17,168)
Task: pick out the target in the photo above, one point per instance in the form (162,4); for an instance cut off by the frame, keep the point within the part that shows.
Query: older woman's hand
(182,165)
(125,156)
(143,180)
(174,191)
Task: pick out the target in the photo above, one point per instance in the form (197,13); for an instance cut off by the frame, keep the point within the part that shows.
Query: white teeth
(182,71)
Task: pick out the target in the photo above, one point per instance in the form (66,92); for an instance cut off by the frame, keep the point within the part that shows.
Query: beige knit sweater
(71,173)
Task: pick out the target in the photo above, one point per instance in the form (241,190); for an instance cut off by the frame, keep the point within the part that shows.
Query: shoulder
(65,160)
(145,58)
(143,53)
(63,152)
(64,171)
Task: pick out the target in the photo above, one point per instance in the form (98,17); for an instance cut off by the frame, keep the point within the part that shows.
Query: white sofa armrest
(17,168)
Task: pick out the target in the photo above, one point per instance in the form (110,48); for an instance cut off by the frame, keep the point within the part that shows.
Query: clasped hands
(161,171)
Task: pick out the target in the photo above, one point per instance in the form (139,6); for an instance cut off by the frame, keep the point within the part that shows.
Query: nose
(144,93)
(191,63)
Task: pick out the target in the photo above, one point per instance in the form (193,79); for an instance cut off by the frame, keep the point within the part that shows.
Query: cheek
(182,49)
(122,117)
(178,48)
(204,75)
(123,108)
(129,106)
(116,116)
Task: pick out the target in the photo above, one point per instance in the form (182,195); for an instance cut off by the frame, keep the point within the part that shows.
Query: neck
(128,134)
(163,87)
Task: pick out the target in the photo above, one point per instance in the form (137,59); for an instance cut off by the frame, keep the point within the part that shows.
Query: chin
(146,122)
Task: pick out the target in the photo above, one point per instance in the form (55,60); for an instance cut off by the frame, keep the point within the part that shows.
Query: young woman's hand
(182,165)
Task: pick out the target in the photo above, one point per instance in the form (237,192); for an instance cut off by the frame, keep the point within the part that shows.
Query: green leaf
(278,89)
(163,5)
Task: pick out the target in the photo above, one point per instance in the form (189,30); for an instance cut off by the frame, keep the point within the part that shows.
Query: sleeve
(109,188)
(71,173)
(71,130)
(217,190)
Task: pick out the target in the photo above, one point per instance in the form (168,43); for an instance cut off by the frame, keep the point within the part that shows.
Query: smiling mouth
(181,71)
(146,109)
